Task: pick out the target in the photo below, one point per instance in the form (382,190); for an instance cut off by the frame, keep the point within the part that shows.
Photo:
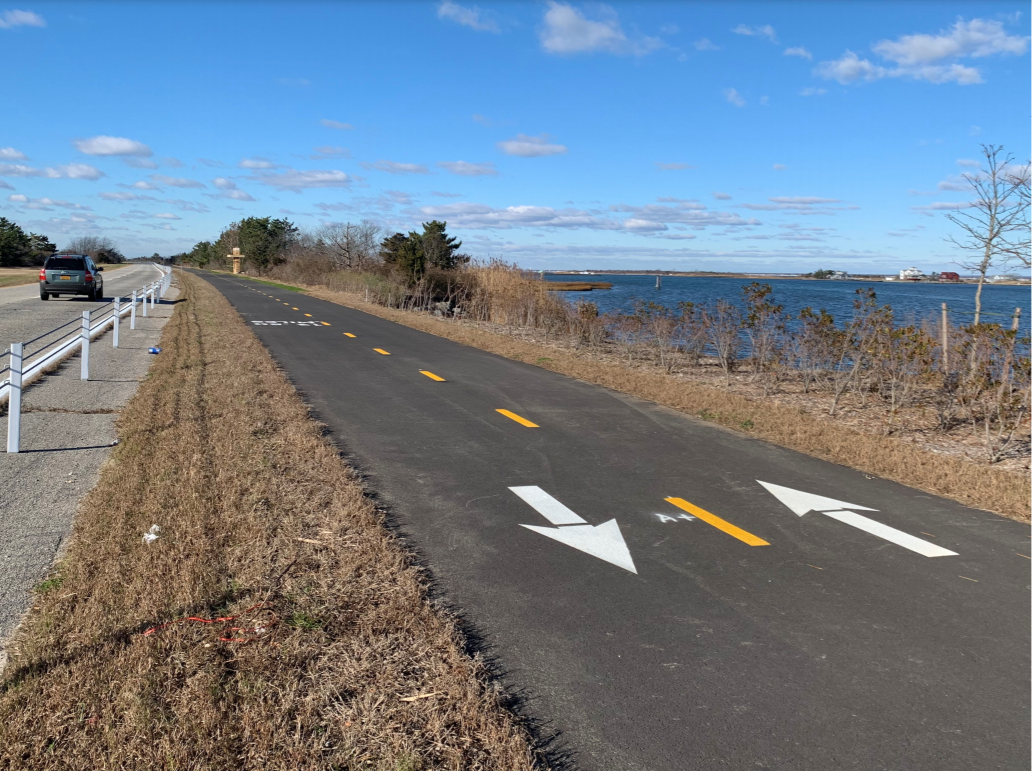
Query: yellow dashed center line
(518,419)
(348,334)
(717,522)
(381,350)
(309,315)
(325,323)
(293,309)
(432,376)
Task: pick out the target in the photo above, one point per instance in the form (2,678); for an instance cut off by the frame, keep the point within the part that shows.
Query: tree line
(268,242)
(19,249)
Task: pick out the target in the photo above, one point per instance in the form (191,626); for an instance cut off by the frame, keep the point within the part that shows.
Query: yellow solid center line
(518,419)
(381,350)
(717,522)
(348,334)
(432,376)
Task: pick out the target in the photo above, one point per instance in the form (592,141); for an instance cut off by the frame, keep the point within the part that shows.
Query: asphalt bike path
(670,594)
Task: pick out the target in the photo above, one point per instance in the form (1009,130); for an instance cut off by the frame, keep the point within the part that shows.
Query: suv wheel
(44,295)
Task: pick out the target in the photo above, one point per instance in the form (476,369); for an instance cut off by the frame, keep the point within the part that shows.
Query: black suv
(70,274)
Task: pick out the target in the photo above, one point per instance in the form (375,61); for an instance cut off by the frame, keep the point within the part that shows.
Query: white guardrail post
(132,313)
(118,317)
(84,343)
(146,291)
(14,400)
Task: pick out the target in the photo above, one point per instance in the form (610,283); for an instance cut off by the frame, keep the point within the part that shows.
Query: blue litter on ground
(153,350)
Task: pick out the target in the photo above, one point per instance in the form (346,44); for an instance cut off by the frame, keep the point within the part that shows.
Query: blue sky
(712,136)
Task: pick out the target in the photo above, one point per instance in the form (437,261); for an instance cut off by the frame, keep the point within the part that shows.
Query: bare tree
(90,245)
(1018,246)
(994,217)
(351,246)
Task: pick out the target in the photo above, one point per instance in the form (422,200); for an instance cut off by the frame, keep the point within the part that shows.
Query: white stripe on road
(898,537)
(547,506)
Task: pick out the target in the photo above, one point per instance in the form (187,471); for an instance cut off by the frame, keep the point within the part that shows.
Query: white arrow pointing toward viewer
(800,503)
(603,541)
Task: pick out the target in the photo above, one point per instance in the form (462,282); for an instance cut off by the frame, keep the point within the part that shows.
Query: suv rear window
(65,263)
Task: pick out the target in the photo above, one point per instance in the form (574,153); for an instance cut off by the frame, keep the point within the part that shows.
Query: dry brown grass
(980,486)
(255,508)
(18,276)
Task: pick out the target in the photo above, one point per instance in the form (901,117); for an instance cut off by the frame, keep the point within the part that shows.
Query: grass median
(275,622)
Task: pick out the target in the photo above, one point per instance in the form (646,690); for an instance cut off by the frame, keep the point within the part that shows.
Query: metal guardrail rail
(19,373)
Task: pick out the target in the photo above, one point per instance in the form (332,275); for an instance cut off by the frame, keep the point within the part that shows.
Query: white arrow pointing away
(603,541)
(800,503)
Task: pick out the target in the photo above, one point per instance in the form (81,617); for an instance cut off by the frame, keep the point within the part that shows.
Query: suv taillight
(42,274)
(89,276)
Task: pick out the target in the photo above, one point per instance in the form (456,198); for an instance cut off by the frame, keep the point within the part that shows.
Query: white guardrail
(20,374)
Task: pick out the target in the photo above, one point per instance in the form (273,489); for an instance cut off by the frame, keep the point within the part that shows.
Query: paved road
(23,315)
(763,629)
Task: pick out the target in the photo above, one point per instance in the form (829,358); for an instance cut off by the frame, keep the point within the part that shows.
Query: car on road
(70,274)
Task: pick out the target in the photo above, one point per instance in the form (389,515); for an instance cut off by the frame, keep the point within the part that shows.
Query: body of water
(908,300)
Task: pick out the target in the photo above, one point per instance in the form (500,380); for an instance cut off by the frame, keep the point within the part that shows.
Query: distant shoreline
(767,276)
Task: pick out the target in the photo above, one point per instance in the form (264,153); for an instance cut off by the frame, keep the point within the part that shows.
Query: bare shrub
(723,323)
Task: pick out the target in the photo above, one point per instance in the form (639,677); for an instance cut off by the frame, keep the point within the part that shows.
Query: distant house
(840,275)
(911,274)
(948,275)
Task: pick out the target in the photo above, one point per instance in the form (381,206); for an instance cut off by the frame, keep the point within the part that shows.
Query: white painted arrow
(800,503)
(603,541)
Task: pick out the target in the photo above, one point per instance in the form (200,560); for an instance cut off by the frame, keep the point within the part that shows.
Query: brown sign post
(236,259)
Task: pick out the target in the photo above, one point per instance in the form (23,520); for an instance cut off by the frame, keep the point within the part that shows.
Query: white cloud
(468,17)
(766,31)
(799,51)
(167,216)
(69,171)
(805,200)
(237,195)
(813,91)
(942,206)
(439,194)
(645,220)
(173,163)
(295,181)
(182,205)
(104,145)
(673,166)
(705,44)
(722,196)
(976,38)
(11,19)
(968,162)
(336,124)
(732,95)
(45,204)
(465,169)
(126,197)
(391,167)
(919,56)
(530,147)
(568,31)
(161,179)
(140,163)
(329,151)
(5,186)
(229,190)
(144,185)
(256,163)
(779,167)
(210,163)
(10,154)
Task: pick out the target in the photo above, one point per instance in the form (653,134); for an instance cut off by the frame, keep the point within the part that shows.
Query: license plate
(66,278)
